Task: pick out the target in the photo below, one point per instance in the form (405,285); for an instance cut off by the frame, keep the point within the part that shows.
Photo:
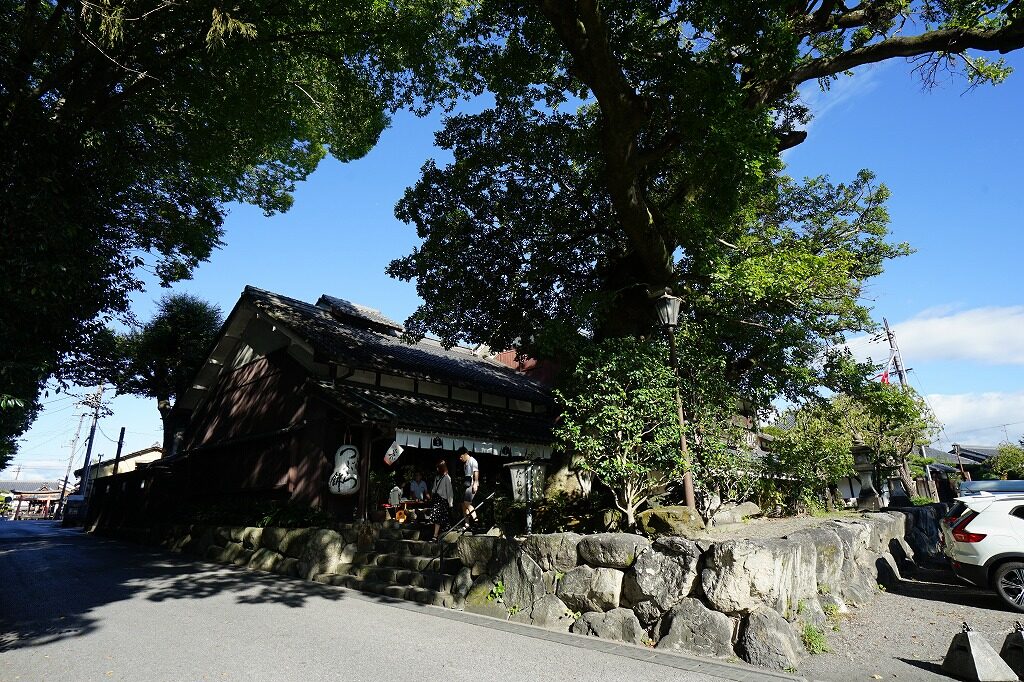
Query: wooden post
(117,457)
(364,474)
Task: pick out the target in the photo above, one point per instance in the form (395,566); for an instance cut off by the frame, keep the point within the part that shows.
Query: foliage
(262,514)
(814,640)
(290,515)
(921,501)
(558,514)
(497,592)
(128,126)
(1008,462)
(890,420)
(618,405)
(810,451)
(636,145)
(161,359)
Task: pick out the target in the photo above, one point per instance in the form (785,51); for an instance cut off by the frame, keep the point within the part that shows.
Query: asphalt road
(75,607)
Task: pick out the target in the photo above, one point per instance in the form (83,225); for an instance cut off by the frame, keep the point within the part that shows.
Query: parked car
(986,544)
(994,486)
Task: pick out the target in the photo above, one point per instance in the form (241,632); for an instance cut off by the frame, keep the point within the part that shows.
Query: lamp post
(668,315)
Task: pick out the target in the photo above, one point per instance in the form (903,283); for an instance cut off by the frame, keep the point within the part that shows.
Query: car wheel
(1009,584)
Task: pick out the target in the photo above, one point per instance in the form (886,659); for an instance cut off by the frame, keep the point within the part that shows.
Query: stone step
(421,595)
(417,563)
(396,576)
(408,547)
(406,533)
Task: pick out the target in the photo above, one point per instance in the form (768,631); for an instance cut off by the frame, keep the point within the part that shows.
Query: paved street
(74,607)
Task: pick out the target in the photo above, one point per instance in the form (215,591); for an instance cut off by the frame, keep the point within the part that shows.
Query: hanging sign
(393,453)
(344,479)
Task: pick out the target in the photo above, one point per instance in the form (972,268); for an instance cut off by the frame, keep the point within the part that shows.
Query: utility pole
(71,462)
(17,472)
(96,403)
(117,457)
(894,348)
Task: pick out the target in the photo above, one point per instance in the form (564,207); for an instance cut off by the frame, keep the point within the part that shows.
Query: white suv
(986,544)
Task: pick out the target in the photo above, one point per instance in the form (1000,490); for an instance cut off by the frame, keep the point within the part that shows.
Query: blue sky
(952,161)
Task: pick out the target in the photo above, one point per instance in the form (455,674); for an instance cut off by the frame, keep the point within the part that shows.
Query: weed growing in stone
(497,592)
(814,640)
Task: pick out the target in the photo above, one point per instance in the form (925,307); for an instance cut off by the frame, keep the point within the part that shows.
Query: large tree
(161,359)
(633,146)
(128,125)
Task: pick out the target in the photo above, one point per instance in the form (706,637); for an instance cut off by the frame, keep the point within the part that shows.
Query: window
(363,377)
(401,383)
(493,400)
(520,405)
(465,394)
(434,389)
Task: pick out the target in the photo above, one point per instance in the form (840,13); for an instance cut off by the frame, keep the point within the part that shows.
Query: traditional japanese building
(301,402)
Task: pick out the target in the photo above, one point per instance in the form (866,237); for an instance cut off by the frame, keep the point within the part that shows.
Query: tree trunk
(907,480)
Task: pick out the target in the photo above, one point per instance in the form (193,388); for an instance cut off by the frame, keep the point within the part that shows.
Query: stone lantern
(864,466)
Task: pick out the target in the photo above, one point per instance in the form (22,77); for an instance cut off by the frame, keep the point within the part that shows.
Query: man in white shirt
(418,487)
(472,481)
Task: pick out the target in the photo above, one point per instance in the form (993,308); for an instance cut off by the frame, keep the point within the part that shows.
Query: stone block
(1012,652)
(271,538)
(971,657)
(325,550)
(251,537)
(551,613)
(735,513)
(769,641)
(611,550)
(264,559)
(620,625)
(591,589)
(463,583)
(476,551)
(679,521)
(523,583)
(289,567)
(740,576)
(693,628)
(553,552)
(482,599)
(294,542)
(661,576)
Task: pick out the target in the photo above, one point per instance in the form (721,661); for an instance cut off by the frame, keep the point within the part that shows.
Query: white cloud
(979,418)
(992,335)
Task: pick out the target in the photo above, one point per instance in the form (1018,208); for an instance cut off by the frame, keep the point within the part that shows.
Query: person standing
(418,487)
(471,471)
(441,496)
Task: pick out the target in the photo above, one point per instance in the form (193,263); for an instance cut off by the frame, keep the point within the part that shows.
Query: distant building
(31,499)
(127,463)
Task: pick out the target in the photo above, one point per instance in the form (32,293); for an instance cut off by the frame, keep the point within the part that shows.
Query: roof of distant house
(29,486)
(131,455)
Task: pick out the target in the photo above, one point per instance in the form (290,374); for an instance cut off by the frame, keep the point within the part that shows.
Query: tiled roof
(29,486)
(406,410)
(978,452)
(357,311)
(368,348)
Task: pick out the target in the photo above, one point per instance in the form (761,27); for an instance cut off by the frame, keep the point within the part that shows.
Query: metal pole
(117,457)
(691,499)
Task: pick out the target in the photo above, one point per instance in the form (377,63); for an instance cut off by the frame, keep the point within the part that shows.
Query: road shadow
(51,588)
(928,666)
(933,581)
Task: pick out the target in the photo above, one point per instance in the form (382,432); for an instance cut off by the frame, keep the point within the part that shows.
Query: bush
(921,501)
(558,514)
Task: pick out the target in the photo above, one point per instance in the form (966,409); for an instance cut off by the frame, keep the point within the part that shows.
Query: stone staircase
(402,564)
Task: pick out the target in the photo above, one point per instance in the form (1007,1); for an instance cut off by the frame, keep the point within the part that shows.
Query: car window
(1018,512)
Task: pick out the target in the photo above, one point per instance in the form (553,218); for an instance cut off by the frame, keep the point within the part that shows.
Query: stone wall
(292,552)
(750,599)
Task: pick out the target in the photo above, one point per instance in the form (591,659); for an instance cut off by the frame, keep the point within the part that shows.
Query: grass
(814,640)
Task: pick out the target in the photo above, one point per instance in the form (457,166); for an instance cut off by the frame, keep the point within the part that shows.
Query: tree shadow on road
(52,588)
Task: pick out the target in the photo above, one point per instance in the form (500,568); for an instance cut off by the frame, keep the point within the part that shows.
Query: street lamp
(668,314)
